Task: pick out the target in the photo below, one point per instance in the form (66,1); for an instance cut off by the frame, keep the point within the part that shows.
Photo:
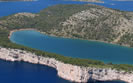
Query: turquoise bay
(74,47)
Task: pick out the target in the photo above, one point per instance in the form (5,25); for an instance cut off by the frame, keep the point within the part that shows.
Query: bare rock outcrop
(67,71)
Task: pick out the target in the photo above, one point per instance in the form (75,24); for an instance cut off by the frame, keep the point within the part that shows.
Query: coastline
(12,31)
(113,43)
(72,70)
(69,72)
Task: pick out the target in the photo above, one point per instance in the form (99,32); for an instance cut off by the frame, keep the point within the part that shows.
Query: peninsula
(90,22)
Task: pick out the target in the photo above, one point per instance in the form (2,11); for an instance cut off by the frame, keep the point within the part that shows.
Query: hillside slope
(90,22)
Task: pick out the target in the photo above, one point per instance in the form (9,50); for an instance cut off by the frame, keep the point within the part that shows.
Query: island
(89,22)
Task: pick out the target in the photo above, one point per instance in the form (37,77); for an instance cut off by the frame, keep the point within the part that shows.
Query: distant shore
(12,31)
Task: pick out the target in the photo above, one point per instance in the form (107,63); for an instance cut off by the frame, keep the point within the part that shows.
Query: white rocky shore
(67,71)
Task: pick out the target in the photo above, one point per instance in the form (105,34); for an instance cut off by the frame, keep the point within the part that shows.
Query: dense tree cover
(127,39)
(45,21)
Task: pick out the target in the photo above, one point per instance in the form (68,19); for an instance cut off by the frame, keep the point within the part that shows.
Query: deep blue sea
(21,72)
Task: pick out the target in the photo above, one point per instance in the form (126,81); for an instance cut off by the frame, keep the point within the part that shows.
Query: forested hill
(90,22)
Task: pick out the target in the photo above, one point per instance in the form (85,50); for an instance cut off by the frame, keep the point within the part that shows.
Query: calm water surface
(74,47)
(20,72)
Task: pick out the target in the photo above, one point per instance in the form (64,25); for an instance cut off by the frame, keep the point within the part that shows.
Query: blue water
(20,72)
(8,8)
(74,47)
(120,5)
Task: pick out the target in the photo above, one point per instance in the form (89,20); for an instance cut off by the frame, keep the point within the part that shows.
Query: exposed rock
(25,14)
(67,71)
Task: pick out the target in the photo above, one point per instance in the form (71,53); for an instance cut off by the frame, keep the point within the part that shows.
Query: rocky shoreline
(67,71)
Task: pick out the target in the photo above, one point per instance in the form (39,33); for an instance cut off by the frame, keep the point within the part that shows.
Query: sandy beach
(19,30)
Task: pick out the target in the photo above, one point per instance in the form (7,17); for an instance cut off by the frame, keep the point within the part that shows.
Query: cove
(74,47)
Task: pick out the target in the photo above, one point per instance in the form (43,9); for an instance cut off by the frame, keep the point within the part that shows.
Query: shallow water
(58,45)
(74,47)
